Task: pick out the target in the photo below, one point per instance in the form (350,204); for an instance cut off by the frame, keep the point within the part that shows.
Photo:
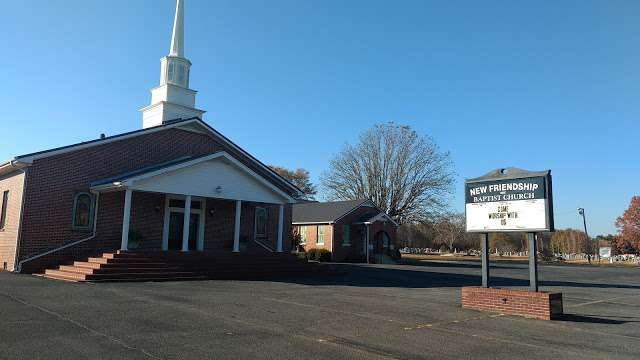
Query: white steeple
(177,39)
(172,99)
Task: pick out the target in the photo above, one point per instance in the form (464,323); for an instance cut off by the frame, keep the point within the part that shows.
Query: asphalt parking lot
(371,312)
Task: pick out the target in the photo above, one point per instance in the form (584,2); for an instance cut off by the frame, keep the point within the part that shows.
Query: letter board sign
(509,200)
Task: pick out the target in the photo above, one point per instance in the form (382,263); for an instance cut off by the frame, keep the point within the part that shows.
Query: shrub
(321,255)
(135,239)
(301,255)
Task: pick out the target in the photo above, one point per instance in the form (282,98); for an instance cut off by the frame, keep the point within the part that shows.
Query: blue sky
(532,84)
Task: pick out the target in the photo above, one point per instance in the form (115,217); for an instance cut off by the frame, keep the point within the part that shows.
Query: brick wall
(9,235)
(53,181)
(311,232)
(537,305)
(219,227)
(356,250)
(147,218)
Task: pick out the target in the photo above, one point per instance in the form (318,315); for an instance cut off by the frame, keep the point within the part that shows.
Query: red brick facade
(13,184)
(354,249)
(537,305)
(52,182)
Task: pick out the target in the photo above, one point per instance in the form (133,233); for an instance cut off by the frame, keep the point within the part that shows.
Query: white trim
(165,224)
(148,107)
(318,234)
(222,154)
(201,226)
(280,228)
(201,223)
(313,223)
(29,159)
(126,220)
(367,243)
(236,227)
(380,216)
(255,222)
(302,229)
(186,225)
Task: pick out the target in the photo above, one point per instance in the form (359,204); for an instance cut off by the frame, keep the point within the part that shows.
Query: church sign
(509,200)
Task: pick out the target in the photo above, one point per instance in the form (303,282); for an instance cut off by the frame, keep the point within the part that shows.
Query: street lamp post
(584,223)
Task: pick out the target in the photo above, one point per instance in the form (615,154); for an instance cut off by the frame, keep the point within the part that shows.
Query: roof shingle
(323,212)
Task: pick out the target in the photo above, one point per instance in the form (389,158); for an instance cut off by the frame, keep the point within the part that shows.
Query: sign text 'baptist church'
(493,203)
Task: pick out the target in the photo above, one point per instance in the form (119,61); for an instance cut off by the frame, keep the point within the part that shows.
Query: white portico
(187,184)
(173,99)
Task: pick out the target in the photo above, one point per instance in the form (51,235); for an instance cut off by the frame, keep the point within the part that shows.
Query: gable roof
(371,218)
(132,179)
(194,124)
(325,212)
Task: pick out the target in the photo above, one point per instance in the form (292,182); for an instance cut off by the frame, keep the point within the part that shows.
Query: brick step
(102,260)
(167,266)
(116,270)
(64,275)
(228,274)
(96,265)
(139,275)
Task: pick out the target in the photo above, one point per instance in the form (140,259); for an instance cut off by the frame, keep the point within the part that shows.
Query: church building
(175,185)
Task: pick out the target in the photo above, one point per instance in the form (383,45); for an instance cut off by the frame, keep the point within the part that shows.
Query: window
(83,211)
(262,218)
(346,235)
(303,235)
(3,210)
(320,240)
(180,204)
(181,74)
(170,71)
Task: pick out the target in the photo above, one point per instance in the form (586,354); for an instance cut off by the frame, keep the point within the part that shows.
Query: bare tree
(403,173)
(451,229)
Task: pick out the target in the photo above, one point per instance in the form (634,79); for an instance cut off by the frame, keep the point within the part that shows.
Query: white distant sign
(605,252)
(514,201)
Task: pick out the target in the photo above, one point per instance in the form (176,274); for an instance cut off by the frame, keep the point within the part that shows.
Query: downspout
(95,226)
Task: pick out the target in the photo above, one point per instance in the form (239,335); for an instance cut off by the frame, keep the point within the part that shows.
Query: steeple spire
(173,99)
(177,38)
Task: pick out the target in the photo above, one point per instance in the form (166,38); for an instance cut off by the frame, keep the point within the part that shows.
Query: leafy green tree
(300,178)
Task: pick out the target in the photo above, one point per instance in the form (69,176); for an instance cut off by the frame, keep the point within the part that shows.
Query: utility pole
(584,222)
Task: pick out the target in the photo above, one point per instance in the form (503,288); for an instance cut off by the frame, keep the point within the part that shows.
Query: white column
(280,228)
(236,231)
(187,219)
(367,244)
(125,220)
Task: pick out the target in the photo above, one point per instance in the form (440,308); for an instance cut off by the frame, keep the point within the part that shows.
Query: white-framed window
(171,71)
(303,234)
(3,209)
(262,219)
(346,235)
(320,238)
(181,74)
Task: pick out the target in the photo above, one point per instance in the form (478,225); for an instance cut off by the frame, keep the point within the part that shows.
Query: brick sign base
(537,305)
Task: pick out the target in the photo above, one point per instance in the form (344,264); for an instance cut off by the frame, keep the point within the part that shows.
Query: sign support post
(484,243)
(533,262)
